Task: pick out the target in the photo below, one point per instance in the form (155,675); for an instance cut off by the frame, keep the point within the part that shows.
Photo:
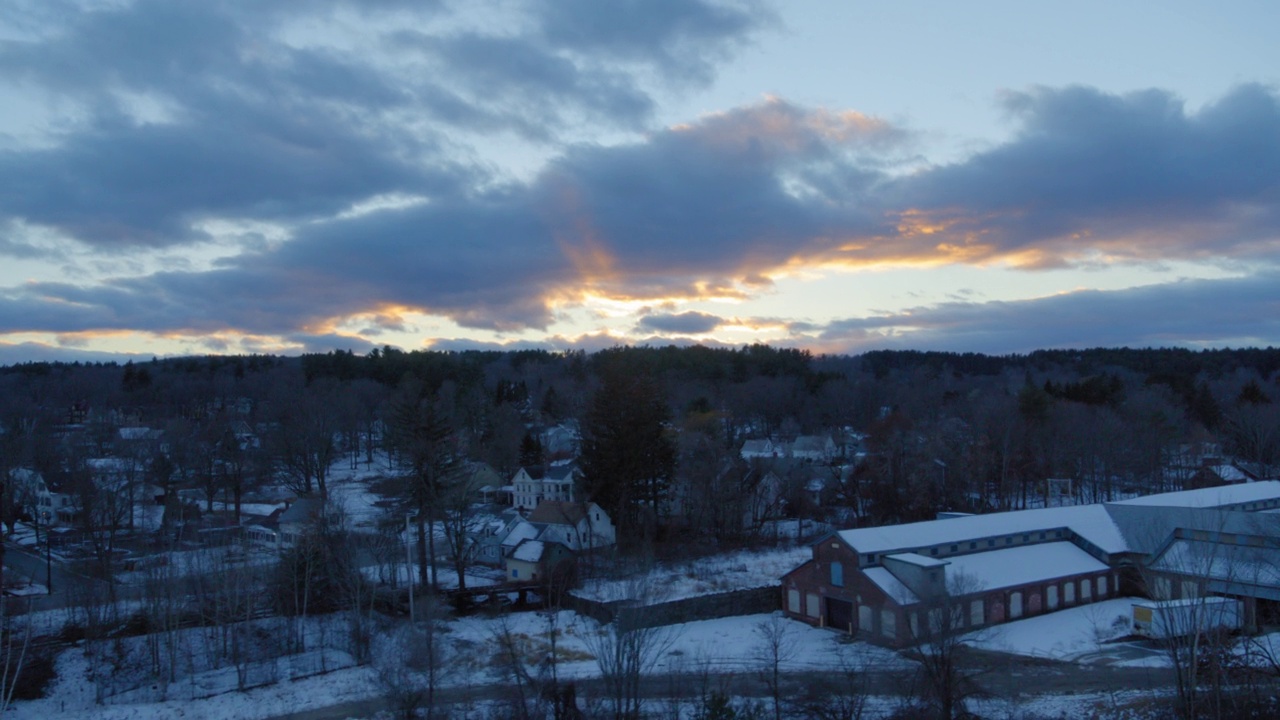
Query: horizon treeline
(917,431)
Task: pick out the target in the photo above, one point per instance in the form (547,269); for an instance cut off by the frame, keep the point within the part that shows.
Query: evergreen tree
(628,456)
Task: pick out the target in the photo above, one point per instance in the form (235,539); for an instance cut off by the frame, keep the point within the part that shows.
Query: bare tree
(775,647)
(844,696)
(624,650)
(938,631)
(402,661)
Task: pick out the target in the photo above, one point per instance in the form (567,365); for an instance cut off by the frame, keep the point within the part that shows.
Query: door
(840,615)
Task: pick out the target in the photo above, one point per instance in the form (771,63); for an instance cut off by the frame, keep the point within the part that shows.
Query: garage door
(840,614)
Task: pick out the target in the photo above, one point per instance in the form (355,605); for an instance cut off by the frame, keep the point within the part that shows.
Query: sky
(268,176)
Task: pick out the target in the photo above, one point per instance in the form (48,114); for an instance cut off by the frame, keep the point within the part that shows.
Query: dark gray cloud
(689,323)
(191,111)
(1192,313)
(1134,175)
(693,210)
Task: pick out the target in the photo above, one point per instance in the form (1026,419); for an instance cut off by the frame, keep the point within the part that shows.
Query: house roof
(529,551)
(522,531)
(810,443)
(555,512)
(303,510)
(561,472)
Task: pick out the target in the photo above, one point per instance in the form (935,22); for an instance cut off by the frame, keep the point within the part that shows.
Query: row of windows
(987,544)
(980,611)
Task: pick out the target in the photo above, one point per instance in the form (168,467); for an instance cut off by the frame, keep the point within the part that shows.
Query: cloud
(682,39)
(1123,177)
(176,113)
(689,212)
(689,323)
(185,116)
(1189,313)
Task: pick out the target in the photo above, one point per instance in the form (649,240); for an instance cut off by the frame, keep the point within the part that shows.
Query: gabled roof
(303,510)
(561,472)
(529,551)
(554,512)
(523,530)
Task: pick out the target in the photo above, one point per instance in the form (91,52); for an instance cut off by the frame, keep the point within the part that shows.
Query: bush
(34,677)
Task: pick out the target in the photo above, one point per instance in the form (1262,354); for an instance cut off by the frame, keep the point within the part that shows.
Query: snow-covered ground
(734,645)
(727,644)
(731,571)
(1064,635)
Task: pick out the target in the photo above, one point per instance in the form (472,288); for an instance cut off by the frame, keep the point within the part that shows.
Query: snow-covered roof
(522,531)
(1094,523)
(891,585)
(916,559)
(529,551)
(1212,497)
(1021,565)
(1217,561)
(1089,521)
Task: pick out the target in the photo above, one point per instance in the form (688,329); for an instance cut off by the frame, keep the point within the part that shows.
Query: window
(1008,540)
(933,551)
(1041,536)
(887,623)
(837,574)
(954,548)
(991,543)
(515,573)
(973,546)
(975,613)
(793,601)
(812,606)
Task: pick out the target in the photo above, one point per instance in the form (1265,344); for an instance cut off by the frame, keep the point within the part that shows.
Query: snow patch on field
(739,570)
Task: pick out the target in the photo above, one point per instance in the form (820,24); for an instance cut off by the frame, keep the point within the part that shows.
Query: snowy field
(739,570)
(732,645)
(723,645)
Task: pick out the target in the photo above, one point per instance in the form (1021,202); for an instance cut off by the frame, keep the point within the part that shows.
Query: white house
(555,485)
(580,527)
(759,448)
(817,448)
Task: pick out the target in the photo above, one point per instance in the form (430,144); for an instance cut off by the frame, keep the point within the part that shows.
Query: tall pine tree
(628,456)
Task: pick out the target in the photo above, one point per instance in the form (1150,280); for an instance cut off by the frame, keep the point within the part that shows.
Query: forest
(660,428)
